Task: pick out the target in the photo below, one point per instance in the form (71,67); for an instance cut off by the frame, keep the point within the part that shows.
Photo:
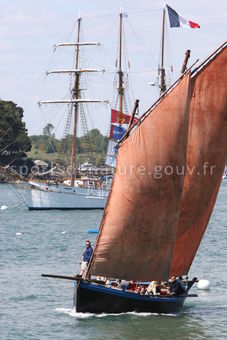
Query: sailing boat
(77,193)
(169,169)
(156,214)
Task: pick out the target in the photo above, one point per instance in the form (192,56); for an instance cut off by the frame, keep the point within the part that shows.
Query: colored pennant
(116,132)
(120,118)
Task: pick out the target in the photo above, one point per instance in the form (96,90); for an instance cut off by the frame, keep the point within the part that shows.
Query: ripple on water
(24,298)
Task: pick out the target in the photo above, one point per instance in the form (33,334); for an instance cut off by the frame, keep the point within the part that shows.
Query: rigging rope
(141,43)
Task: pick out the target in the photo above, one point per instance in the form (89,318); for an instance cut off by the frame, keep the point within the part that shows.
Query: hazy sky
(28,30)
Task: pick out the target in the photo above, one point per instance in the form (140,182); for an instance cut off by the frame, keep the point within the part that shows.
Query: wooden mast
(187,56)
(163,80)
(75,96)
(120,73)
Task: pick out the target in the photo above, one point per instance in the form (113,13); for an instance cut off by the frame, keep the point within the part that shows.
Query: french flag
(176,20)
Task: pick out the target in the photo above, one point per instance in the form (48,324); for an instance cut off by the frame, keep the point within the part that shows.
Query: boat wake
(73,313)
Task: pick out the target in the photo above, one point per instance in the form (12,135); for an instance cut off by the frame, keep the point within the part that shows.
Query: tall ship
(81,192)
(78,191)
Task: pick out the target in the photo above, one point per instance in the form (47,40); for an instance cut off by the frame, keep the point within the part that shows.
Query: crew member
(177,287)
(87,253)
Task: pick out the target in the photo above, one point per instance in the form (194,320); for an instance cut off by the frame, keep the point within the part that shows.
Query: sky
(28,30)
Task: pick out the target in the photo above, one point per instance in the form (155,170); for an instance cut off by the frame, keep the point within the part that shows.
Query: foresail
(206,157)
(138,229)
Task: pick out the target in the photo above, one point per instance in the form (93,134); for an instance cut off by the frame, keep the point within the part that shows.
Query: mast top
(123,13)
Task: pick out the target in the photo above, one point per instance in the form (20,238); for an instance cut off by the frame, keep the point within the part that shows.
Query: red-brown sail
(138,230)
(206,156)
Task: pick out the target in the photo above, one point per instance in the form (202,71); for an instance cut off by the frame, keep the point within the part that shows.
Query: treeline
(94,141)
(14,140)
(92,146)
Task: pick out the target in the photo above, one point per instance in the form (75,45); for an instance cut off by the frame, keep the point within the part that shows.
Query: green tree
(14,141)
(98,141)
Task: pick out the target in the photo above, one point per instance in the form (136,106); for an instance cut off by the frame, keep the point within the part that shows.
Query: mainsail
(138,230)
(206,157)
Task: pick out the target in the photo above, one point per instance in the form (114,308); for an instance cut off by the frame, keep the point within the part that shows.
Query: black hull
(93,298)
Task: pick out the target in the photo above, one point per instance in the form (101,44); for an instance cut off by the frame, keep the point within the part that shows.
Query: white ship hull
(41,197)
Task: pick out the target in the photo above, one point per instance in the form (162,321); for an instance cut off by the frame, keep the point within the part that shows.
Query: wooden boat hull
(93,298)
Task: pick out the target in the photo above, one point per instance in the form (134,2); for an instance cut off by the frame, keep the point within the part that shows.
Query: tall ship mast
(120,72)
(162,69)
(76,94)
(120,118)
(76,91)
(161,78)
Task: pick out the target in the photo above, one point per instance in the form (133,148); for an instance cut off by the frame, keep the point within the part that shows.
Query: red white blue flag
(176,20)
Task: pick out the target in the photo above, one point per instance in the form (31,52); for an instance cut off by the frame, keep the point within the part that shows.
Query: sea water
(32,307)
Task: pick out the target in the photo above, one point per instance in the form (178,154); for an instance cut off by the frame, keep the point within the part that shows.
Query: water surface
(34,242)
